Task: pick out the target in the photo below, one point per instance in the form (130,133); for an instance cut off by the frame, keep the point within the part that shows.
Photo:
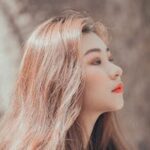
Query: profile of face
(101,76)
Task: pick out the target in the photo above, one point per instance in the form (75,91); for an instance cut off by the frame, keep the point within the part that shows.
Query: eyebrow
(95,50)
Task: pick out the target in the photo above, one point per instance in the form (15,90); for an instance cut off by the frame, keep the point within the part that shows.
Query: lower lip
(119,90)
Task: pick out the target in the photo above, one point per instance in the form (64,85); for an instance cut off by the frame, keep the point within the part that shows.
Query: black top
(96,136)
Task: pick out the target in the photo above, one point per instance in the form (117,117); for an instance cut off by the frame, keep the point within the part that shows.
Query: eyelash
(98,60)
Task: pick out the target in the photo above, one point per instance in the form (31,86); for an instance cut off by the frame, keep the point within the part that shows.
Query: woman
(65,96)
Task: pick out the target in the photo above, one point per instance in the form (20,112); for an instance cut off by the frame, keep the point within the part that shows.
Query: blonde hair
(47,96)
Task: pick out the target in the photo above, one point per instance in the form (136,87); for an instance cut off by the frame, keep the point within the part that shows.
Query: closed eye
(96,62)
(111,59)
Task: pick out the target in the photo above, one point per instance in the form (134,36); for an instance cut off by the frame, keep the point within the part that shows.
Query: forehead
(91,40)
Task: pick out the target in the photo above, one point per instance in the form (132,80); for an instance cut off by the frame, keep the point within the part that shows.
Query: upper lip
(120,85)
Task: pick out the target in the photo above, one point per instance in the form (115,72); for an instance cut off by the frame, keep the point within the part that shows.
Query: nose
(116,72)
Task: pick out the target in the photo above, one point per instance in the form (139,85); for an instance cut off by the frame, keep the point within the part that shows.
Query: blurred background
(128,23)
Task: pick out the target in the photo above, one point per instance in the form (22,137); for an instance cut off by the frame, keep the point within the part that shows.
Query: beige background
(129,25)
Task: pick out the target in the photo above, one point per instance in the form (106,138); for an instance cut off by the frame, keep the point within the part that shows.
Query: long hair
(46,99)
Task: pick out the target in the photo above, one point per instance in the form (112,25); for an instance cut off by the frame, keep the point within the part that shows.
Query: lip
(119,88)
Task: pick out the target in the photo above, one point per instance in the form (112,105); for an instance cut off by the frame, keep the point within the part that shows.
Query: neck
(87,121)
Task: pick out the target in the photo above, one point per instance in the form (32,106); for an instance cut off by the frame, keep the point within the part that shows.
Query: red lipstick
(119,88)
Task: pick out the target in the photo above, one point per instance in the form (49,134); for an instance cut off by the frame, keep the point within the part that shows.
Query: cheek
(97,95)
(96,80)
(97,89)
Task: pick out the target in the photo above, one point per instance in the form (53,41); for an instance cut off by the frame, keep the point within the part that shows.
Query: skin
(102,76)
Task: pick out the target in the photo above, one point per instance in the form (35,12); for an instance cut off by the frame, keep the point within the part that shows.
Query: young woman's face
(102,76)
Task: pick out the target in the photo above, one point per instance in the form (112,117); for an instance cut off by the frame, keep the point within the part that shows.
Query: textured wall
(129,26)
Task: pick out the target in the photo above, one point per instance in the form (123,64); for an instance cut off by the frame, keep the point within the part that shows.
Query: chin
(117,105)
(120,104)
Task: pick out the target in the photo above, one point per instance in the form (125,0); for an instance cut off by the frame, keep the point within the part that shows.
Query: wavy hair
(46,99)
